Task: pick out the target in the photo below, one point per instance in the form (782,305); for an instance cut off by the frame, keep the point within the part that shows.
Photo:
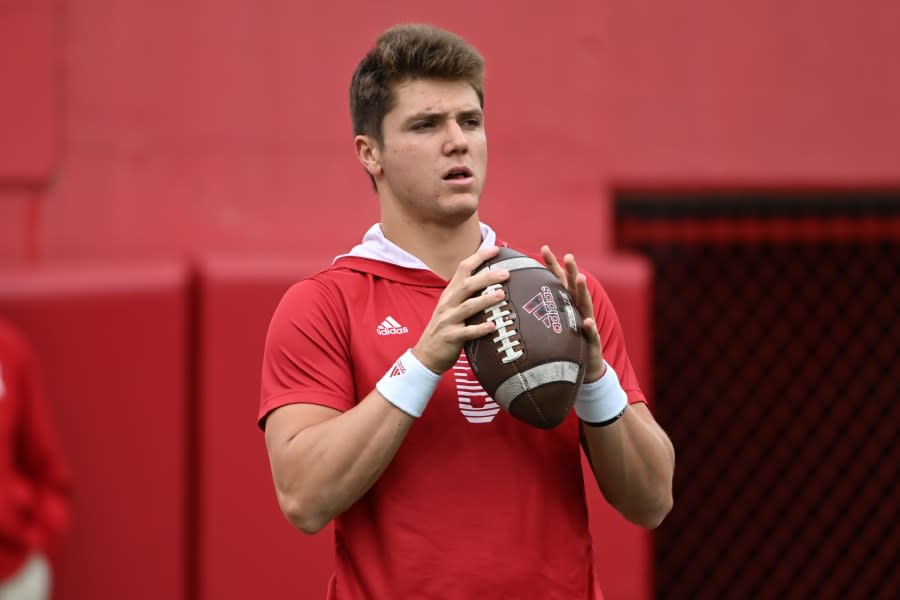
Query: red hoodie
(474,504)
(34,479)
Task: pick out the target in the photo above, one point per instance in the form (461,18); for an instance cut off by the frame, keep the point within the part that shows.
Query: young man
(372,416)
(34,477)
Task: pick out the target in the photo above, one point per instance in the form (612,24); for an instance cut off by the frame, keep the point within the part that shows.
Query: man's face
(434,152)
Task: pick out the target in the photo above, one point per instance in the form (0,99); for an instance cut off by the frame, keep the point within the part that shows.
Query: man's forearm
(633,462)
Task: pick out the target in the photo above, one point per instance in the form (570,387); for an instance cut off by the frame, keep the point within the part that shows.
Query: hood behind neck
(380,256)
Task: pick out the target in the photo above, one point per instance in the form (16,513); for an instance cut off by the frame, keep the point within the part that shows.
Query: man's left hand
(576,284)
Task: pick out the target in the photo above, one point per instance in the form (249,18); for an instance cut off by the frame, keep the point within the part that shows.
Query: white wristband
(408,384)
(603,401)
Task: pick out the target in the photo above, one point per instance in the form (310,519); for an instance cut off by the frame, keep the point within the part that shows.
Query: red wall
(222,125)
(29,131)
(762,94)
(112,344)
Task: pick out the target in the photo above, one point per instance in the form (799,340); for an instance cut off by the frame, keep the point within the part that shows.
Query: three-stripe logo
(390,326)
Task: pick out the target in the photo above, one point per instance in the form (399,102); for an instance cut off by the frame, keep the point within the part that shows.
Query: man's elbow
(649,517)
(302,516)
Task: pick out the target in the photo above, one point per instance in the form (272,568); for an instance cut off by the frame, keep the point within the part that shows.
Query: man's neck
(441,247)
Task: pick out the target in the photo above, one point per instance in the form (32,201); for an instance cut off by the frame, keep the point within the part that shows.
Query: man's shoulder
(344,281)
(329,281)
(345,274)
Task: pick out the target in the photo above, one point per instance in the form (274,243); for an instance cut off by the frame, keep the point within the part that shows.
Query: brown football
(532,365)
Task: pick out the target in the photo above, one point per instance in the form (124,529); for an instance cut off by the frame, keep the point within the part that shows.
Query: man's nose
(456,139)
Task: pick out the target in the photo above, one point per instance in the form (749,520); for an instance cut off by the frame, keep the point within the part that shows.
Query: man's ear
(369,154)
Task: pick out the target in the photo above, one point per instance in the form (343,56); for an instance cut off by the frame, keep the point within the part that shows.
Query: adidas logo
(543,308)
(391,327)
(398,369)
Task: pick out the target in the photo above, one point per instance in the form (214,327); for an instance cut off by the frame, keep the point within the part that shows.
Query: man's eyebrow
(421,116)
(424,115)
(468,114)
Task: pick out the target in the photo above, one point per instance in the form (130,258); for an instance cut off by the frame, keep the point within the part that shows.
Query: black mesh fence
(777,375)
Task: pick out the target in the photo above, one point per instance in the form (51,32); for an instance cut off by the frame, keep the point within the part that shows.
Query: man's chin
(460,208)
(462,205)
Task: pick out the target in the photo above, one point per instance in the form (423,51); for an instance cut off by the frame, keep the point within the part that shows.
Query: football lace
(504,325)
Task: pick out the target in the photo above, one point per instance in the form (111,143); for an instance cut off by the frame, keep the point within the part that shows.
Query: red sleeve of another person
(38,478)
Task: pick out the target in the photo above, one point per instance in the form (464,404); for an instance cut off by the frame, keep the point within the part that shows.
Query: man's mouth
(457,173)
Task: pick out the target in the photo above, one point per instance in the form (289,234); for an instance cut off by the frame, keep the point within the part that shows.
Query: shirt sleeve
(44,482)
(307,352)
(613,341)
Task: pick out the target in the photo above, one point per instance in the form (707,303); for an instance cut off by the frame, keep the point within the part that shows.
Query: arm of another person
(44,479)
(632,458)
(324,460)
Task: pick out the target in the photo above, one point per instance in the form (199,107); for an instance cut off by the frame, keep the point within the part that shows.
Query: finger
(571,270)
(464,284)
(591,333)
(480,303)
(595,364)
(470,263)
(583,300)
(473,332)
(472,307)
(553,264)
(474,285)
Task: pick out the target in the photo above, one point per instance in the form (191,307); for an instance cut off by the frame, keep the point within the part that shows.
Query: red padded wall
(245,547)
(111,342)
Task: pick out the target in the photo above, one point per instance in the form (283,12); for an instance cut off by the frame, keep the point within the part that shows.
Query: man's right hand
(441,342)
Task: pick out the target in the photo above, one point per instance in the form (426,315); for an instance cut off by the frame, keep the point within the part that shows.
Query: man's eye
(473,123)
(424,125)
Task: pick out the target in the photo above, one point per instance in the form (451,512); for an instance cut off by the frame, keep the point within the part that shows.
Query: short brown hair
(406,52)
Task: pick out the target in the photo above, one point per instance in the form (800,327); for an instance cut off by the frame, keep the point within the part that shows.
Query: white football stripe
(513,264)
(535,377)
(391,320)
